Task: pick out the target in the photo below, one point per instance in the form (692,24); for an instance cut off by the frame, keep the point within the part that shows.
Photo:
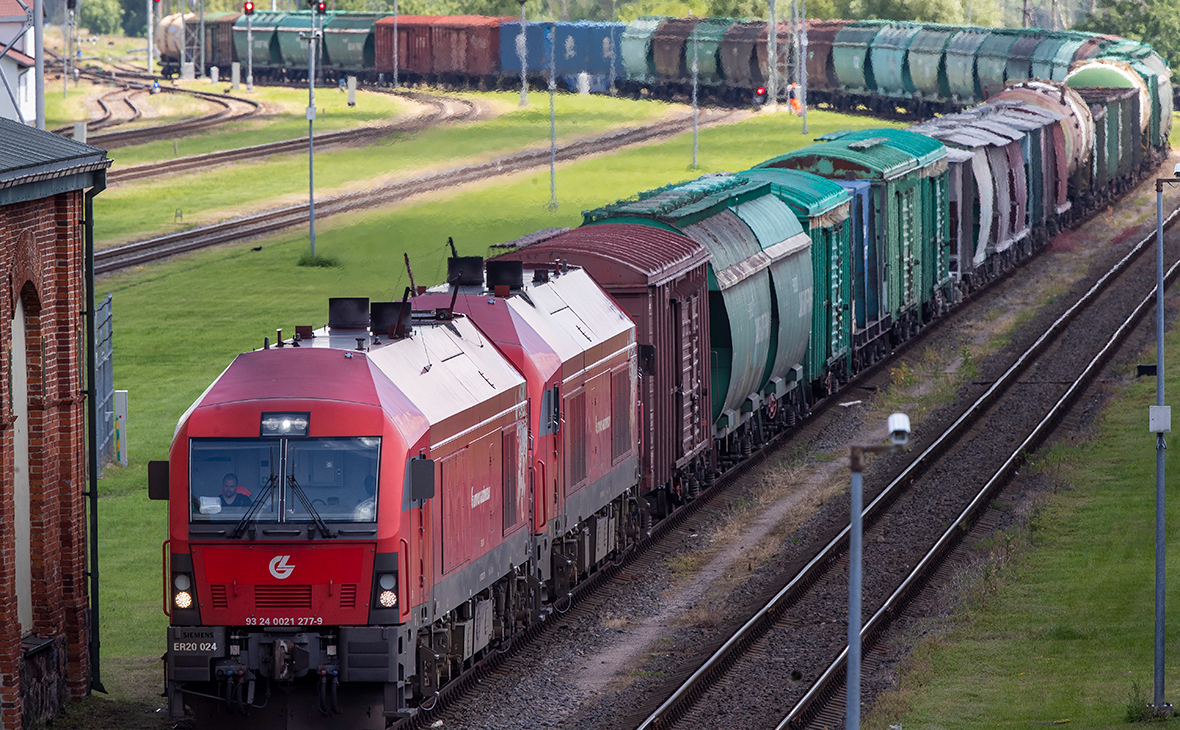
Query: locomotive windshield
(337,478)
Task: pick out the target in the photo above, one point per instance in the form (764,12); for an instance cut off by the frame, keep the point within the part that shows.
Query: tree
(103,17)
(1152,21)
(134,21)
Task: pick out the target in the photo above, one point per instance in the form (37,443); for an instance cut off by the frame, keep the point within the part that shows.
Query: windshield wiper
(320,525)
(248,518)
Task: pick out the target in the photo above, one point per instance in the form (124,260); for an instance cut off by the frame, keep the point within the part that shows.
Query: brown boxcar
(739,62)
(821,70)
(414,51)
(667,48)
(224,52)
(660,279)
(467,45)
(783,41)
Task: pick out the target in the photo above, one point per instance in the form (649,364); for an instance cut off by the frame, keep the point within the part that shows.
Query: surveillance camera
(899,429)
(1176,170)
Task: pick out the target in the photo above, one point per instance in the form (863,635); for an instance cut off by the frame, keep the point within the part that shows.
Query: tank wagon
(358,513)
(887,68)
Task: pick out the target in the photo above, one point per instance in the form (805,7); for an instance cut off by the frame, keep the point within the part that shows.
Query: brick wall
(41,262)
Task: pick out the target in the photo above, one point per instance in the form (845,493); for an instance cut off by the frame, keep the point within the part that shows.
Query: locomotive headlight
(183,599)
(387,581)
(182,582)
(285,424)
(387,599)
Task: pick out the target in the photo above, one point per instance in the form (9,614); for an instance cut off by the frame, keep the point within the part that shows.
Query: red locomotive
(359,512)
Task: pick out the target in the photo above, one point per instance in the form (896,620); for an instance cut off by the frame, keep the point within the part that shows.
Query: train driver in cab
(233,494)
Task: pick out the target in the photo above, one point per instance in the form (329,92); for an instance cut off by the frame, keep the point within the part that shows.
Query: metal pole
(772,55)
(695,108)
(552,117)
(65,52)
(396,58)
(39,66)
(522,52)
(100,183)
(201,39)
(1159,447)
(852,708)
(151,46)
(613,49)
(250,52)
(310,140)
(803,65)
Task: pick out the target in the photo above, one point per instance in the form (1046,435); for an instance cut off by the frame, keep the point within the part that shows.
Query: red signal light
(248,7)
(760,91)
(321,7)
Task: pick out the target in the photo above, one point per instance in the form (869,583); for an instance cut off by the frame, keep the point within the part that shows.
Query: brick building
(46,183)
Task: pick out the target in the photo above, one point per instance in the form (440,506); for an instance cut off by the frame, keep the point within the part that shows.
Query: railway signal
(321,7)
(247,8)
(760,96)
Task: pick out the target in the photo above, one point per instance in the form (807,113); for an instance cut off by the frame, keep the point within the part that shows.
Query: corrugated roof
(927,150)
(806,192)
(879,160)
(29,152)
(681,202)
(655,254)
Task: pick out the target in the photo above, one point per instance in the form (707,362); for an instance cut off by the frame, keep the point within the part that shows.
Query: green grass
(283,118)
(141,209)
(178,324)
(1068,632)
(60,111)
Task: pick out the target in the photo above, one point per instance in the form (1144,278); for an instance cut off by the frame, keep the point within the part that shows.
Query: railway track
(232,108)
(442,109)
(136,254)
(588,597)
(805,621)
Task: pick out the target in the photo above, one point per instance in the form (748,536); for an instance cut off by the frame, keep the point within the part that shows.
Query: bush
(326,262)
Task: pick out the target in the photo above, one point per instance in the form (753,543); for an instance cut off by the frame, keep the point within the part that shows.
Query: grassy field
(1064,635)
(179,324)
(141,209)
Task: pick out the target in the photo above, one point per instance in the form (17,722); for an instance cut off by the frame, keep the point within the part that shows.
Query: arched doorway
(22,489)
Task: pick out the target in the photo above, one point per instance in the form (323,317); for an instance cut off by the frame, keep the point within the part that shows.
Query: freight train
(360,512)
(881,66)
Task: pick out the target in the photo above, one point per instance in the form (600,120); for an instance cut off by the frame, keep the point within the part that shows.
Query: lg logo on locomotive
(280,568)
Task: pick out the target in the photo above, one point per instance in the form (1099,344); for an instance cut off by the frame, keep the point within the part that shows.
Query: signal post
(248,9)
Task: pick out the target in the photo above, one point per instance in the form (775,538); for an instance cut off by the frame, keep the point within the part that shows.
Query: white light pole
(552,116)
(39,61)
(396,58)
(695,108)
(899,436)
(803,64)
(311,38)
(150,28)
(1160,422)
(523,52)
(201,40)
(772,55)
(613,49)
